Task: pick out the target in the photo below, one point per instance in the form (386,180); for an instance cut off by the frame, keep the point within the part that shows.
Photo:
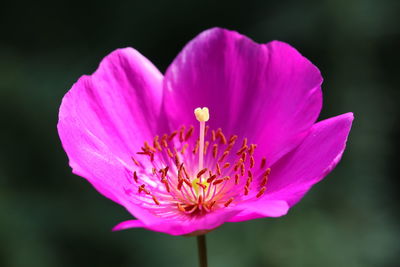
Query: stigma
(192,174)
(202,114)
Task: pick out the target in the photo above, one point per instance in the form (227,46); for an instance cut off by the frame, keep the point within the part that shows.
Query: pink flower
(131,132)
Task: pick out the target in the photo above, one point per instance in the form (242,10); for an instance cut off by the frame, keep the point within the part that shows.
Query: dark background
(49,217)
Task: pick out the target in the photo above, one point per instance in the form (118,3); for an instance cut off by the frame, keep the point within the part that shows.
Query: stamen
(215,150)
(156,144)
(244,156)
(244,142)
(264,181)
(185,146)
(170,153)
(236,179)
(265,177)
(164,140)
(233,139)
(229,147)
(181,133)
(251,149)
(261,192)
(213,137)
(180,183)
(196,148)
(163,174)
(241,150)
(135,177)
(180,169)
(187,182)
(228,202)
(238,164)
(250,174)
(246,190)
(205,147)
(166,170)
(252,162)
(202,185)
(165,182)
(148,147)
(135,161)
(222,137)
(148,153)
(200,173)
(155,200)
(164,143)
(177,162)
(226,165)
(218,169)
(189,133)
(218,181)
(248,181)
(242,170)
(209,180)
(181,208)
(223,156)
(172,135)
(142,188)
(263,162)
(186,174)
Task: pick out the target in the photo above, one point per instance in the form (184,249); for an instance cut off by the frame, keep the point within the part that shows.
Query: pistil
(202,115)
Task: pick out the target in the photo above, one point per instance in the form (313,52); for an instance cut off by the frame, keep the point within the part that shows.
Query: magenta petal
(261,208)
(105,117)
(318,154)
(269,92)
(185,226)
(207,222)
(128,224)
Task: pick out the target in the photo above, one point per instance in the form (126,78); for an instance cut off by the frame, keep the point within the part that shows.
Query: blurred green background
(49,217)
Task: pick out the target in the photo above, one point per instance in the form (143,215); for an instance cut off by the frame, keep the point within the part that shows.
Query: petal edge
(311,161)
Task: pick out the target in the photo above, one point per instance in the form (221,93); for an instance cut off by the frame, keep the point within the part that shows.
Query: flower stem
(202,250)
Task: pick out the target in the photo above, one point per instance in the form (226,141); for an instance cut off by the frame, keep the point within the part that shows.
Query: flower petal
(207,222)
(105,117)
(261,208)
(269,92)
(128,224)
(311,161)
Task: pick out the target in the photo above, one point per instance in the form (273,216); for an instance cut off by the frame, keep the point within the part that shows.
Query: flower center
(194,175)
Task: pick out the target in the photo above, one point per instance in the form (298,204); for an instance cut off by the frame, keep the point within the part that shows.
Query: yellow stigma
(202,114)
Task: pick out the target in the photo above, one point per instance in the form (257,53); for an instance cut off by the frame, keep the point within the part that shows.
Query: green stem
(202,250)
